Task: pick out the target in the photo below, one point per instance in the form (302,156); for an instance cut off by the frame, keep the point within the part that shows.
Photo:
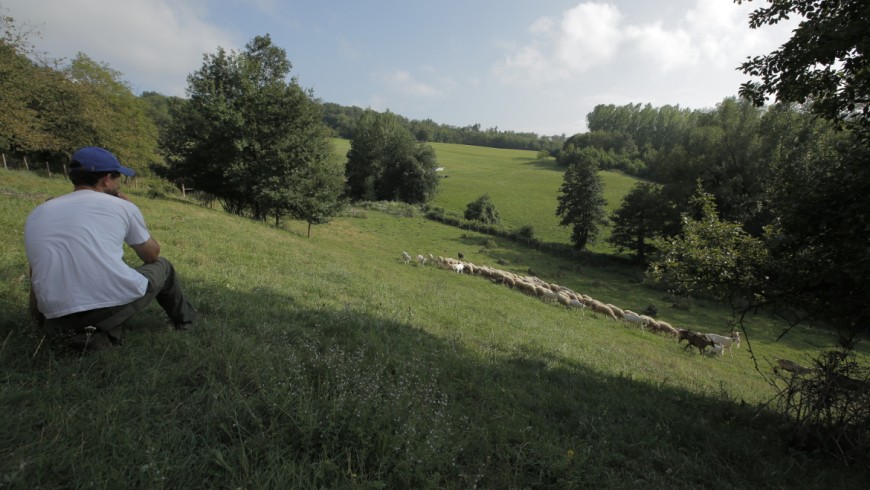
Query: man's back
(74,244)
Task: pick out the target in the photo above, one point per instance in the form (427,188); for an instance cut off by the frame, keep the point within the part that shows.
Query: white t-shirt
(75,245)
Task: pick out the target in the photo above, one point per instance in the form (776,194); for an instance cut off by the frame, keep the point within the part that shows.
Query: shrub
(483,209)
(160,189)
(526,232)
(828,410)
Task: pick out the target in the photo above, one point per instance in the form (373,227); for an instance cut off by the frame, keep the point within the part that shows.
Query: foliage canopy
(385,163)
(483,209)
(580,201)
(250,138)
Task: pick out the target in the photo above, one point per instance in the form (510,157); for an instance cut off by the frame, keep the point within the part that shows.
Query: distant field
(522,186)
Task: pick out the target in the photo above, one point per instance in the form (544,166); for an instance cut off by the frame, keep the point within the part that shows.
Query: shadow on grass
(265,392)
(544,164)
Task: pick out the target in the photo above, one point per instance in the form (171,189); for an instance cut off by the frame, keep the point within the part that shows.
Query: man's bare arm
(149,251)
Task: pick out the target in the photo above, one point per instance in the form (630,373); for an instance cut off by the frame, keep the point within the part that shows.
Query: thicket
(343,121)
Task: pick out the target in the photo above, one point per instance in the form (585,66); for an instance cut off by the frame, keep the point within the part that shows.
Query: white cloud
(667,49)
(712,35)
(589,35)
(155,40)
(403,82)
(586,35)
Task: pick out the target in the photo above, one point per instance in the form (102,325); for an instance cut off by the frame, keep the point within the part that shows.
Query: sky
(516,65)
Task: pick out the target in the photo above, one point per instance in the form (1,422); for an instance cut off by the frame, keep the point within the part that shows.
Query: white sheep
(405,257)
(601,308)
(458,267)
(667,328)
(633,318)
(576,304)
(619,312)
(421,260)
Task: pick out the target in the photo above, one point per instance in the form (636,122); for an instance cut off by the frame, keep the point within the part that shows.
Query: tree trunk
(309,229)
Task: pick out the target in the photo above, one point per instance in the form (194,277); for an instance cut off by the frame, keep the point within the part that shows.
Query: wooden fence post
(4,162)
(48,169)
(26,166)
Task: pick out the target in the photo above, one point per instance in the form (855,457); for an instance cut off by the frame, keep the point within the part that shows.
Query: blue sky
(519,65)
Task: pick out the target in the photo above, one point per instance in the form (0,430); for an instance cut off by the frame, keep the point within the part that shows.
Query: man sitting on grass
(75,246)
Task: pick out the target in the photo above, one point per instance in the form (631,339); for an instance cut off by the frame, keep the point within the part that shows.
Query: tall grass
(329,363)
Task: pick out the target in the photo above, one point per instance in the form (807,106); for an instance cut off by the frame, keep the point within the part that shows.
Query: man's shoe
(92,340)
(184,326)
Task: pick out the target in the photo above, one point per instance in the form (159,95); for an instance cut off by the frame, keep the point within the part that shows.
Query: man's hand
(122,196)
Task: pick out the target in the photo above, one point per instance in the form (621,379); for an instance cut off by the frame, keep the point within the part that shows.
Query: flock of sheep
(555,293)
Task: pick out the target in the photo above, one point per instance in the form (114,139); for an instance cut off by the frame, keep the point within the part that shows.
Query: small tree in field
(581,204)
(483,209)
(643,216)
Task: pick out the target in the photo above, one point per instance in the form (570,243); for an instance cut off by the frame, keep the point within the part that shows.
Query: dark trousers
(163,285)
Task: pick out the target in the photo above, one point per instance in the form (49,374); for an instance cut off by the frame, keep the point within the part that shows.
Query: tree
(246,135)
(113,117)
(581,204)
(712,257)
(316,194)
(644,214)
(824,62)
(386,163)
(483,209)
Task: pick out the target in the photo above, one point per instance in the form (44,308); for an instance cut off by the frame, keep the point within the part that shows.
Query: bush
(526,232)
(828,410)
(483,209)
(161,189)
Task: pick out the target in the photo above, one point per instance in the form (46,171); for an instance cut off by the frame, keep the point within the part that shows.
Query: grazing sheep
(792,367)
(601,308)
(697,339)
(563,298)
(405,257)
(458,267)
(650,323)
(421,260)
(725,342)
(633,318)
(619,312)
(576,304)
(526,287)
(666,328)
(548,295)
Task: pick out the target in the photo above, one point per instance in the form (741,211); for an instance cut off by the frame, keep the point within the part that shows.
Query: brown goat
(697,339)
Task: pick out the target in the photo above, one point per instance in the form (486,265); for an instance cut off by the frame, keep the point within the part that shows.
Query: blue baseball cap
(94,159)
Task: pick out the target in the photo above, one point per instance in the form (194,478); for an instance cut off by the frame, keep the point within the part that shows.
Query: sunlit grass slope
(522,186)
(329,363)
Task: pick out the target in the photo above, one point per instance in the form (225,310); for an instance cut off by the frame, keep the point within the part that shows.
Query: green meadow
(522,186)
(328,362)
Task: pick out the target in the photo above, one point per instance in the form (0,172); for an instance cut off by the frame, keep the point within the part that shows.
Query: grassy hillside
(329,363)
(522,186)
